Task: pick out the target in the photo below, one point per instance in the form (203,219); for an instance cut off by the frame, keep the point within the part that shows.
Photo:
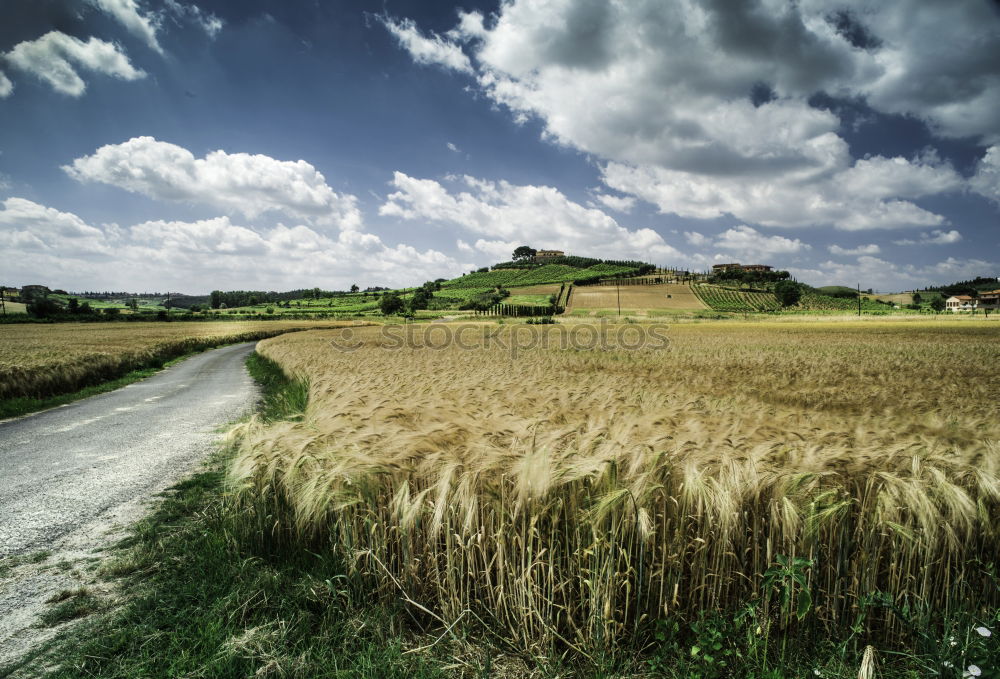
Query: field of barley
(567,492)
(39,360)
(635,297)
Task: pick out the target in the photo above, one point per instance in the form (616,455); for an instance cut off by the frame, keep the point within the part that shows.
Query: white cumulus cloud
(986,181)
(706,109)
(201,255)
(207,21)
(432,49)
(936,237)
(28,227)
(127,13)
(234,182)
(55,56)
(505,214)
(744,240)
(870,249)
(617,203)
(6,86)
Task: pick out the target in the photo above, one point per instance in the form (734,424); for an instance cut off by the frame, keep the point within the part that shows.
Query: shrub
(43,307)
(788,292)
(391,304)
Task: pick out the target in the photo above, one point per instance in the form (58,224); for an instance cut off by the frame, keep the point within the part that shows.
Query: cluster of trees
(114,295)
(393,304)
(47,307)
(971,287)
(485,300)
(523,258)
(219,299)
(788,292)
(749,277)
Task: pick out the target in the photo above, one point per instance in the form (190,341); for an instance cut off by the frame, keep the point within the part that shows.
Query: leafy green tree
(524,252)
(420,300)
(216,298)
(43,307)
(788,292)
(938,304)
(917,299)
(391,304)
(73,305)
(355,288)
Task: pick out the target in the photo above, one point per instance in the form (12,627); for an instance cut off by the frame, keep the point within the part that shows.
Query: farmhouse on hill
(736,266)
(989,300)
(544,255)
(30,292)
(957,303)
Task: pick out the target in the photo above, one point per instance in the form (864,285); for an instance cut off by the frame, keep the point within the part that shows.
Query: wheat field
(569,496)
(635,297)
(44,359)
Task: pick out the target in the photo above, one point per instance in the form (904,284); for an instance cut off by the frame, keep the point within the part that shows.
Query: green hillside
(547,273)
(726,299)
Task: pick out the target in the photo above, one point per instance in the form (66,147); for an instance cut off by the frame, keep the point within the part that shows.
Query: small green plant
(789,578)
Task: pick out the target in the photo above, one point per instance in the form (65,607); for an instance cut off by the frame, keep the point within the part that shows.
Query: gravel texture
(72,476)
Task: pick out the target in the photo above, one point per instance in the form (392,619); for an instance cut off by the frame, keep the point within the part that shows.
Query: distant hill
(970,287)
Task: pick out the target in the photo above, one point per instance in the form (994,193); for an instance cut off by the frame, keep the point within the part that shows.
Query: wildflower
(816,672)
(972,671)
(984,631)
(948,663)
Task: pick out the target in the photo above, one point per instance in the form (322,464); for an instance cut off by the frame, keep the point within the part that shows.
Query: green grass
(70,605)
(9,563)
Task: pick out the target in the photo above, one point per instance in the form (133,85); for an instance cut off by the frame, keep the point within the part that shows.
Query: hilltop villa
(736,266)
(543,255)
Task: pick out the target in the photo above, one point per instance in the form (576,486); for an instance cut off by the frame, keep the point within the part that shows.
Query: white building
(957,303)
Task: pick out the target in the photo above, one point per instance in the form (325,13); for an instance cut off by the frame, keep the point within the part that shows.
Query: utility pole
(859,299)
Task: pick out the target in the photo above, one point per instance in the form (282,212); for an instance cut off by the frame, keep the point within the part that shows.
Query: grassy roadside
(204,596)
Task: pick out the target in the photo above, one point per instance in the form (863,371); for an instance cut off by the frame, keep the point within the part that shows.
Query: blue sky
(171,144)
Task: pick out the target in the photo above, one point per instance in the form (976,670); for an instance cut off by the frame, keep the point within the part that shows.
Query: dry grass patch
(635,297)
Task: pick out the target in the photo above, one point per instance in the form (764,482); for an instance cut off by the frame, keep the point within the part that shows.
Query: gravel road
(71,474)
